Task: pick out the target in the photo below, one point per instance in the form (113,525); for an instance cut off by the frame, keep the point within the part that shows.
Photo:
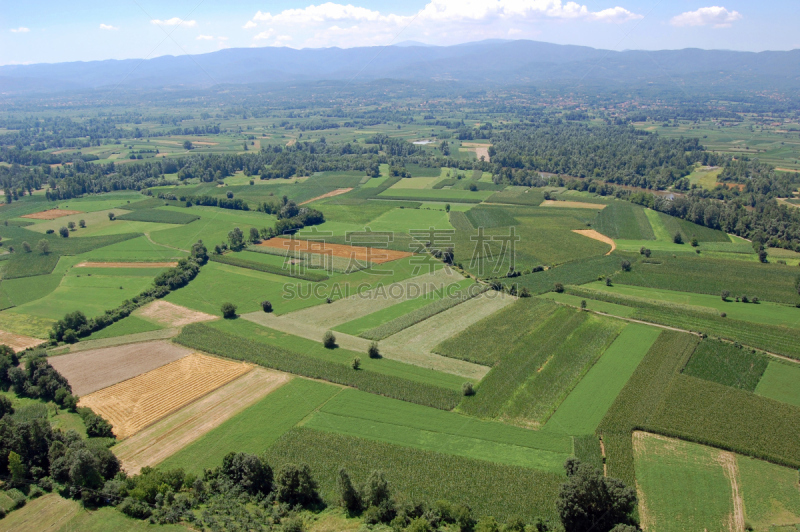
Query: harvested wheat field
(591,233)
(163,439)
(95,369)
(139,402)
(171,315)
(19,342)
(481,150)
(573,205)
(52,214)
(363,254)
(126,265)
(337,192)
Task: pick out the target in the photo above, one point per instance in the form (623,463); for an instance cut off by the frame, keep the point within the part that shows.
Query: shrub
(373,350)
(26,247)
(71,226)
(43,246)
(559,288)
(329,340)
(228,311)
(356,363)
(677,238)
(112,216)
(468,389)
(82,224)
(64,232)
(626,265)
(725,295)
(695,242)
(583,304)
(266,306)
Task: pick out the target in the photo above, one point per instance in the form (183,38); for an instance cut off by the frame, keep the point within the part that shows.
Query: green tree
(266,306)
(187,145)
(695,242)
(112,216)
(329,340)
(26,247)
(71,226)
(591,501)
(375,490)
(236,239)
(199,252)
(677,238)
(254,236)
(373,350)
(447,208)
(726,294)
(295,485)
(349,498)
(64,232)
(82,224)
(468,389)
(356,363)
(228,311)
(17,469)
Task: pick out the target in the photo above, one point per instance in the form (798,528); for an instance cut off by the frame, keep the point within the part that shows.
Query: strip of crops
(158,216)
(576,272)
(372,192)
(488,340)
(488,488)
(421,314)
(460,221)
(773,338)
(587,449)
(624,220)
(739,421)
(211,340)
(727,364)
(269,268)
(640,398)
(430,195)
(315,260)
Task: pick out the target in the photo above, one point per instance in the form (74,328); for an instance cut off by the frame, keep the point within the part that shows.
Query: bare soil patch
(356,253)
(137,403)
(51,214)
(337,192)
(168,436)
(481,150)
(126,265)
(172,315)
(572,205)
(591,233)
(92,370)
(19,342)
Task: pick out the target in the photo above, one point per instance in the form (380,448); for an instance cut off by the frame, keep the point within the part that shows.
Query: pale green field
(415,183)
(781,381)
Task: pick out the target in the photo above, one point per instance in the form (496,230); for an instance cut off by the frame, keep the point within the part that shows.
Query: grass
(420,474)
(683,486)
(19,323)
(769,492)
(456,196)
(212,227)
(584,408)
(518,196)
(129,325)
(726,364)
(254,429)
(689,230)
(490,216)
(575,272)
(358,326)
(591,304)
(539,369)
(215,341)
(297,273)
(415,183)
(779,382)
(639,399)
(159,216)
(624,220)
(769,282)
(363,415)
(408,220)
(134,250)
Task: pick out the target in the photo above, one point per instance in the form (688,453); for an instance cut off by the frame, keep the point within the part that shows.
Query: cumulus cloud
(205,37)
(21,29)
(264,35)
(334,24)
(717,16)
(108,27)
(175,21)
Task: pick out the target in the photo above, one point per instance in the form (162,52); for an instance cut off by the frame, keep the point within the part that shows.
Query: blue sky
(83,30)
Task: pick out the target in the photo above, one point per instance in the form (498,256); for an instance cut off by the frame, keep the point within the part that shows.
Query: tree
(26,247)
(229,195)
(467,389)
(199,252)
(112,216)
(266,306)
(82,224)
(295,485)
(228,311)
(590,501)
(187,145)
(236,239)
(71,226)
(248,472)
(64,232)
(254,236)
(329,340)
(583,304)
(625,265)
(17,469)
(559,288)
(375,490)
(356,363)
(373,350)
(762,256)
(677,238)
(695,242)
(725,295)
(349,498)
(447,208)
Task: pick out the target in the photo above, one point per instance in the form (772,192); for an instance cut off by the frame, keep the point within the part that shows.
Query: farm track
(136,403)
(164,438)
(147,236)
(360,345)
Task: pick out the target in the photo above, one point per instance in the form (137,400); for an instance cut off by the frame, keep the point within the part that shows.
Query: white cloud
(717,16)
(205,38)
(222,38)
(264,35)
(21,29)
(250,24)
(175,21)
(108,27)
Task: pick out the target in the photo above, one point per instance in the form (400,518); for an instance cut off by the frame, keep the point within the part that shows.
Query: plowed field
(132,405)
(18,342)
(361,254)
(52,214)
(172,315)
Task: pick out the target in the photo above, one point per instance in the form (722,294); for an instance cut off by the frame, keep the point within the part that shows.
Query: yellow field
(132,405)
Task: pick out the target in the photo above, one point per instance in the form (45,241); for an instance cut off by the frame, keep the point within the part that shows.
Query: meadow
(727,364)
(624,220)
(779,382)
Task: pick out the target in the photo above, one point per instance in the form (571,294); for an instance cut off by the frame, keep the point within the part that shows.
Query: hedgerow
(205,338)
(421,314)
(268,268)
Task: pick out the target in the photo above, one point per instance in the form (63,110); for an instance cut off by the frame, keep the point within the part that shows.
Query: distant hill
(488,62)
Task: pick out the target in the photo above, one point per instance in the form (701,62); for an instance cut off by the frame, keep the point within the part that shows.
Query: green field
(159,216)
(591,304)
(363,415)
(769,493)
(256,428)
(726,364)
(584,408)
(781,382)
(624,220)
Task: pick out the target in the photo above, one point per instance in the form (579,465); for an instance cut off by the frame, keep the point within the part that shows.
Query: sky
(86,30)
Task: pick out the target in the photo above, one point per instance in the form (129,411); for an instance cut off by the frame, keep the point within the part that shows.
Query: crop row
(640,398)
(201,336)
(727,364)
(624,220)
(316,261)
(297,272)
(159,216)
(488,488)
(576,272)
(421,314)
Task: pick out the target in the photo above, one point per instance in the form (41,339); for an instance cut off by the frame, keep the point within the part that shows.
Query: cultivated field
(51,214)
(573,205)
(92,370)
(126,265)
(173,433)
(18,342)
(140,401)
(591,233)
(171,315)
(355,253)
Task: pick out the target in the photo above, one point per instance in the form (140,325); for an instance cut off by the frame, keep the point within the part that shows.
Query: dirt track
(89,371)
(573,205)
(361,254)
(337,192)
(52,214)
(163,439)
(591,233)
